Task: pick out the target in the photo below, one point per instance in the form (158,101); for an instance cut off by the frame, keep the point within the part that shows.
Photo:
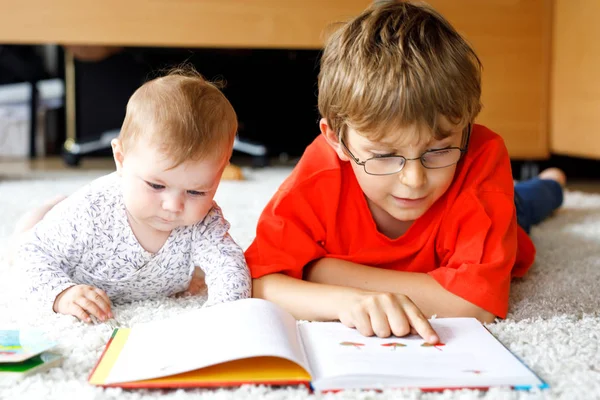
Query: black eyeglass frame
(362,163)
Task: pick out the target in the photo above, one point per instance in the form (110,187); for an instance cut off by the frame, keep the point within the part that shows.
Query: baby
(139,232)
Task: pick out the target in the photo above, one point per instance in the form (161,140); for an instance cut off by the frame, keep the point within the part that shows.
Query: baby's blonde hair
(188,117)
(395,65)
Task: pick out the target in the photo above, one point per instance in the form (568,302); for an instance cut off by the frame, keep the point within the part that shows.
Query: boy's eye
(383,155)
(438,150)
(155,186)
(196,193)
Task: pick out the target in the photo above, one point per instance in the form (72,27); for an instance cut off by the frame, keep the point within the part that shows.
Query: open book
(255,341)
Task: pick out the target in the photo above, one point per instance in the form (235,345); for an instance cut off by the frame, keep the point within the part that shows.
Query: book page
(468,355)
(19,345)
(208,336)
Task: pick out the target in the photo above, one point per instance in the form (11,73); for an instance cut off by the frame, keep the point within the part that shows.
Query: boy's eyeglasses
(432,159)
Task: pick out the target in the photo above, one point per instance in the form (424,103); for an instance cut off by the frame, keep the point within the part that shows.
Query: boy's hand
(384,314)
(83,300)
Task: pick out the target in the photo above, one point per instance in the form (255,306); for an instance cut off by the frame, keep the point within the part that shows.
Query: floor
(553,325)
(19,167)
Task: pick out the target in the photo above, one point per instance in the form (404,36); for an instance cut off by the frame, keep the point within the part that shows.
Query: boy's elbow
(258,286)
(485,316)
(473,311)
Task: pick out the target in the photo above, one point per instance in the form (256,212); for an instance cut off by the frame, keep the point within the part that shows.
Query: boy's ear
(118,154)
(333,139)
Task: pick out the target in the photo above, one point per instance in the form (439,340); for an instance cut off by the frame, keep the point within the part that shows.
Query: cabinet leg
(70,159)
(33,109)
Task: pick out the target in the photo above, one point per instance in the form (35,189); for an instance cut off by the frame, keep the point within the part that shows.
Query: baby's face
(408,194)
(162,198)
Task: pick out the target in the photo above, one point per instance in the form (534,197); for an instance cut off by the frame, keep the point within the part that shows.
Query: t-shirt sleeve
(288,234)
(478,250)
(222,260)
(477,242)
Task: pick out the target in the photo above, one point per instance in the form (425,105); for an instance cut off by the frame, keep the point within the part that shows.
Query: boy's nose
(173,203)
(413,174)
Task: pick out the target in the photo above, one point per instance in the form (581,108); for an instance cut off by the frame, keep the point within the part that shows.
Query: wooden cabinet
(575,101)
(512,39)
(178,23)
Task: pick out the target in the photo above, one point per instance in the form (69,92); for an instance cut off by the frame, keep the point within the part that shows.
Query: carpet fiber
(553,323)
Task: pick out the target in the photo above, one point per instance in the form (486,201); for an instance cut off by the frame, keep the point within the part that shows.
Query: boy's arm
(222,260)
(304,300)
(421,288)
(369,312)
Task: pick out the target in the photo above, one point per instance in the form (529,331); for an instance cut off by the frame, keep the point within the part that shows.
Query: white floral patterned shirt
(87,239)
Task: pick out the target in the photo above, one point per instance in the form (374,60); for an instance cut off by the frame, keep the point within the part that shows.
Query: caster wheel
(72,160)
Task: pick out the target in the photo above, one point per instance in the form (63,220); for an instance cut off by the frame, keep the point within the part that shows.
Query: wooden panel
(183,23)
(512,39)
(575,123)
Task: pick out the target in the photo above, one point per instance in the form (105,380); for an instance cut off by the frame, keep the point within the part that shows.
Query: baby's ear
(118,155)
(333,139)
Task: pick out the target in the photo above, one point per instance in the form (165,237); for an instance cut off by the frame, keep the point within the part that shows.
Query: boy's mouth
(409,201)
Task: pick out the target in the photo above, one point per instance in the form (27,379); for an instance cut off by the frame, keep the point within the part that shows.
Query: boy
(138,233)
(402,208)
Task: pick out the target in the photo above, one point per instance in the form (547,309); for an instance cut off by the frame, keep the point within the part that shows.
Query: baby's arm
(48,254)
(421,288)
(44,256)
(222,260)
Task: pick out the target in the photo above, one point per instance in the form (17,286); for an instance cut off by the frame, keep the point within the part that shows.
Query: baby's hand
(384,314)
(83,300)
(197,284)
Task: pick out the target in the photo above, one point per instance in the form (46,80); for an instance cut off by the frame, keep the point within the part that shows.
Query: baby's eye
(155,186)
(196,193)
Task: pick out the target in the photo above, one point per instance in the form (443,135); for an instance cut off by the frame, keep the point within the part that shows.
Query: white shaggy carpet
(553,325)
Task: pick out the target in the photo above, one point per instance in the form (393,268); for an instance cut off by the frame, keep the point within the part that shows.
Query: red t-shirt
(469,240)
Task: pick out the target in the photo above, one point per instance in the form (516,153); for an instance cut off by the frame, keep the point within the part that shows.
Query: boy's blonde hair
(394,65)
(188,117)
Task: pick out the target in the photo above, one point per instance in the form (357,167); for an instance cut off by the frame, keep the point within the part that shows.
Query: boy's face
(161,198)
(406,195)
